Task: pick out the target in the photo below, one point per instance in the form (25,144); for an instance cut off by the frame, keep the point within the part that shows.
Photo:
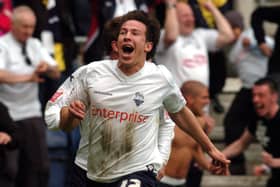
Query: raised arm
(225,35)
(261,14)
(171,25)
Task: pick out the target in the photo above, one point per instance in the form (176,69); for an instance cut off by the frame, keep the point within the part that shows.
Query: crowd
(135,109)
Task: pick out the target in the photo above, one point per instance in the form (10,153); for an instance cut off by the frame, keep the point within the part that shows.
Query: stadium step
(233,181)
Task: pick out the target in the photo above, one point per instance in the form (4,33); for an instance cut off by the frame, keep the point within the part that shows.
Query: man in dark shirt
(265,100)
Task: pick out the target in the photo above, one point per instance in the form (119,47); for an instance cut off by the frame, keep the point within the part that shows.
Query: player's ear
(114,46)
(148,47)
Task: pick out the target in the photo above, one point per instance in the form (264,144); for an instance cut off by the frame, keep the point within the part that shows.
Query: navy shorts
(137,179)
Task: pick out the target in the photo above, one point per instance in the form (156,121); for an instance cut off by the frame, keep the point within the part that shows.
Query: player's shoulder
(165,73)
(100,64)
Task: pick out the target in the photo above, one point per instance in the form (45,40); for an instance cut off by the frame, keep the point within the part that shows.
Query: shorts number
(131,183)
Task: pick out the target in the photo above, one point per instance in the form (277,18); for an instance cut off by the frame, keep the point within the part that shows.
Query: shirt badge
(138,99)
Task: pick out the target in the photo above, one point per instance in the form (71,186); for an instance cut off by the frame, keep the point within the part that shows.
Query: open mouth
(259,106)
(127,49)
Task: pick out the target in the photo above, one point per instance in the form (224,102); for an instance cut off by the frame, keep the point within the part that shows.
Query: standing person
(23,61)
(184,49)
(55,28)
(184,148)
(251,65)
(121,99)
(271,14)
(265,100)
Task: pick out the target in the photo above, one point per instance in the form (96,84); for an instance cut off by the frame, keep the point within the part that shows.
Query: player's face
(198,102)
(23,28)
(264,100)
(185,18)
(132,46)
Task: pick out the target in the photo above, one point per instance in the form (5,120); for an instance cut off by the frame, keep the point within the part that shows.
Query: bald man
(184,148)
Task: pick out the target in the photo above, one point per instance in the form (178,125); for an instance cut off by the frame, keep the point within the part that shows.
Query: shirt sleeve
(166,135)
(173,101)
(210,37)
(44,54)
(72,89)
(3,56)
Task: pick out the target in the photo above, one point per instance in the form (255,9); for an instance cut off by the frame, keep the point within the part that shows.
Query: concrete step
(233,181)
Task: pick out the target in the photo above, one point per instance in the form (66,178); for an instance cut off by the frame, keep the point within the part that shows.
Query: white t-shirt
(250,62)
(124,125)
(187,58)
(21,98)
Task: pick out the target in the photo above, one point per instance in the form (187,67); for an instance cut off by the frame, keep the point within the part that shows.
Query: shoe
(217,106)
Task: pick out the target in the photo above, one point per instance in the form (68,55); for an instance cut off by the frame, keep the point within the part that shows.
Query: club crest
(138,99)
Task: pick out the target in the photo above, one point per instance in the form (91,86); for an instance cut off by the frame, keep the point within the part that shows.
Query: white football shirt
(123,116)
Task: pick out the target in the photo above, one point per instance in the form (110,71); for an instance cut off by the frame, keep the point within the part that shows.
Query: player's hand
(265,49)
(161,173)
(77,109)
(246,42)
(209,123)
(42,68)
(220,163)
(4,138)
(208,4)
(219,168)
(268,159)
(35,77)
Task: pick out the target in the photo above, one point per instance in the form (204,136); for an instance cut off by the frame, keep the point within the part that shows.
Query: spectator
(56,30)
(180,35)
(251,65)
(126,150)
(184,148)
(23,61)
(271,14)
(265,100)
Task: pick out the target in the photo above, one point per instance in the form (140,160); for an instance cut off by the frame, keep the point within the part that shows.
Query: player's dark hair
(270,82)
(152,25)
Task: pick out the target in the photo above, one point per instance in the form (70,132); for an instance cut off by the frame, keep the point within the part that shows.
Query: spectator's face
(185,18)
(264,100)
(197,102)
(23,27)
(132,46)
